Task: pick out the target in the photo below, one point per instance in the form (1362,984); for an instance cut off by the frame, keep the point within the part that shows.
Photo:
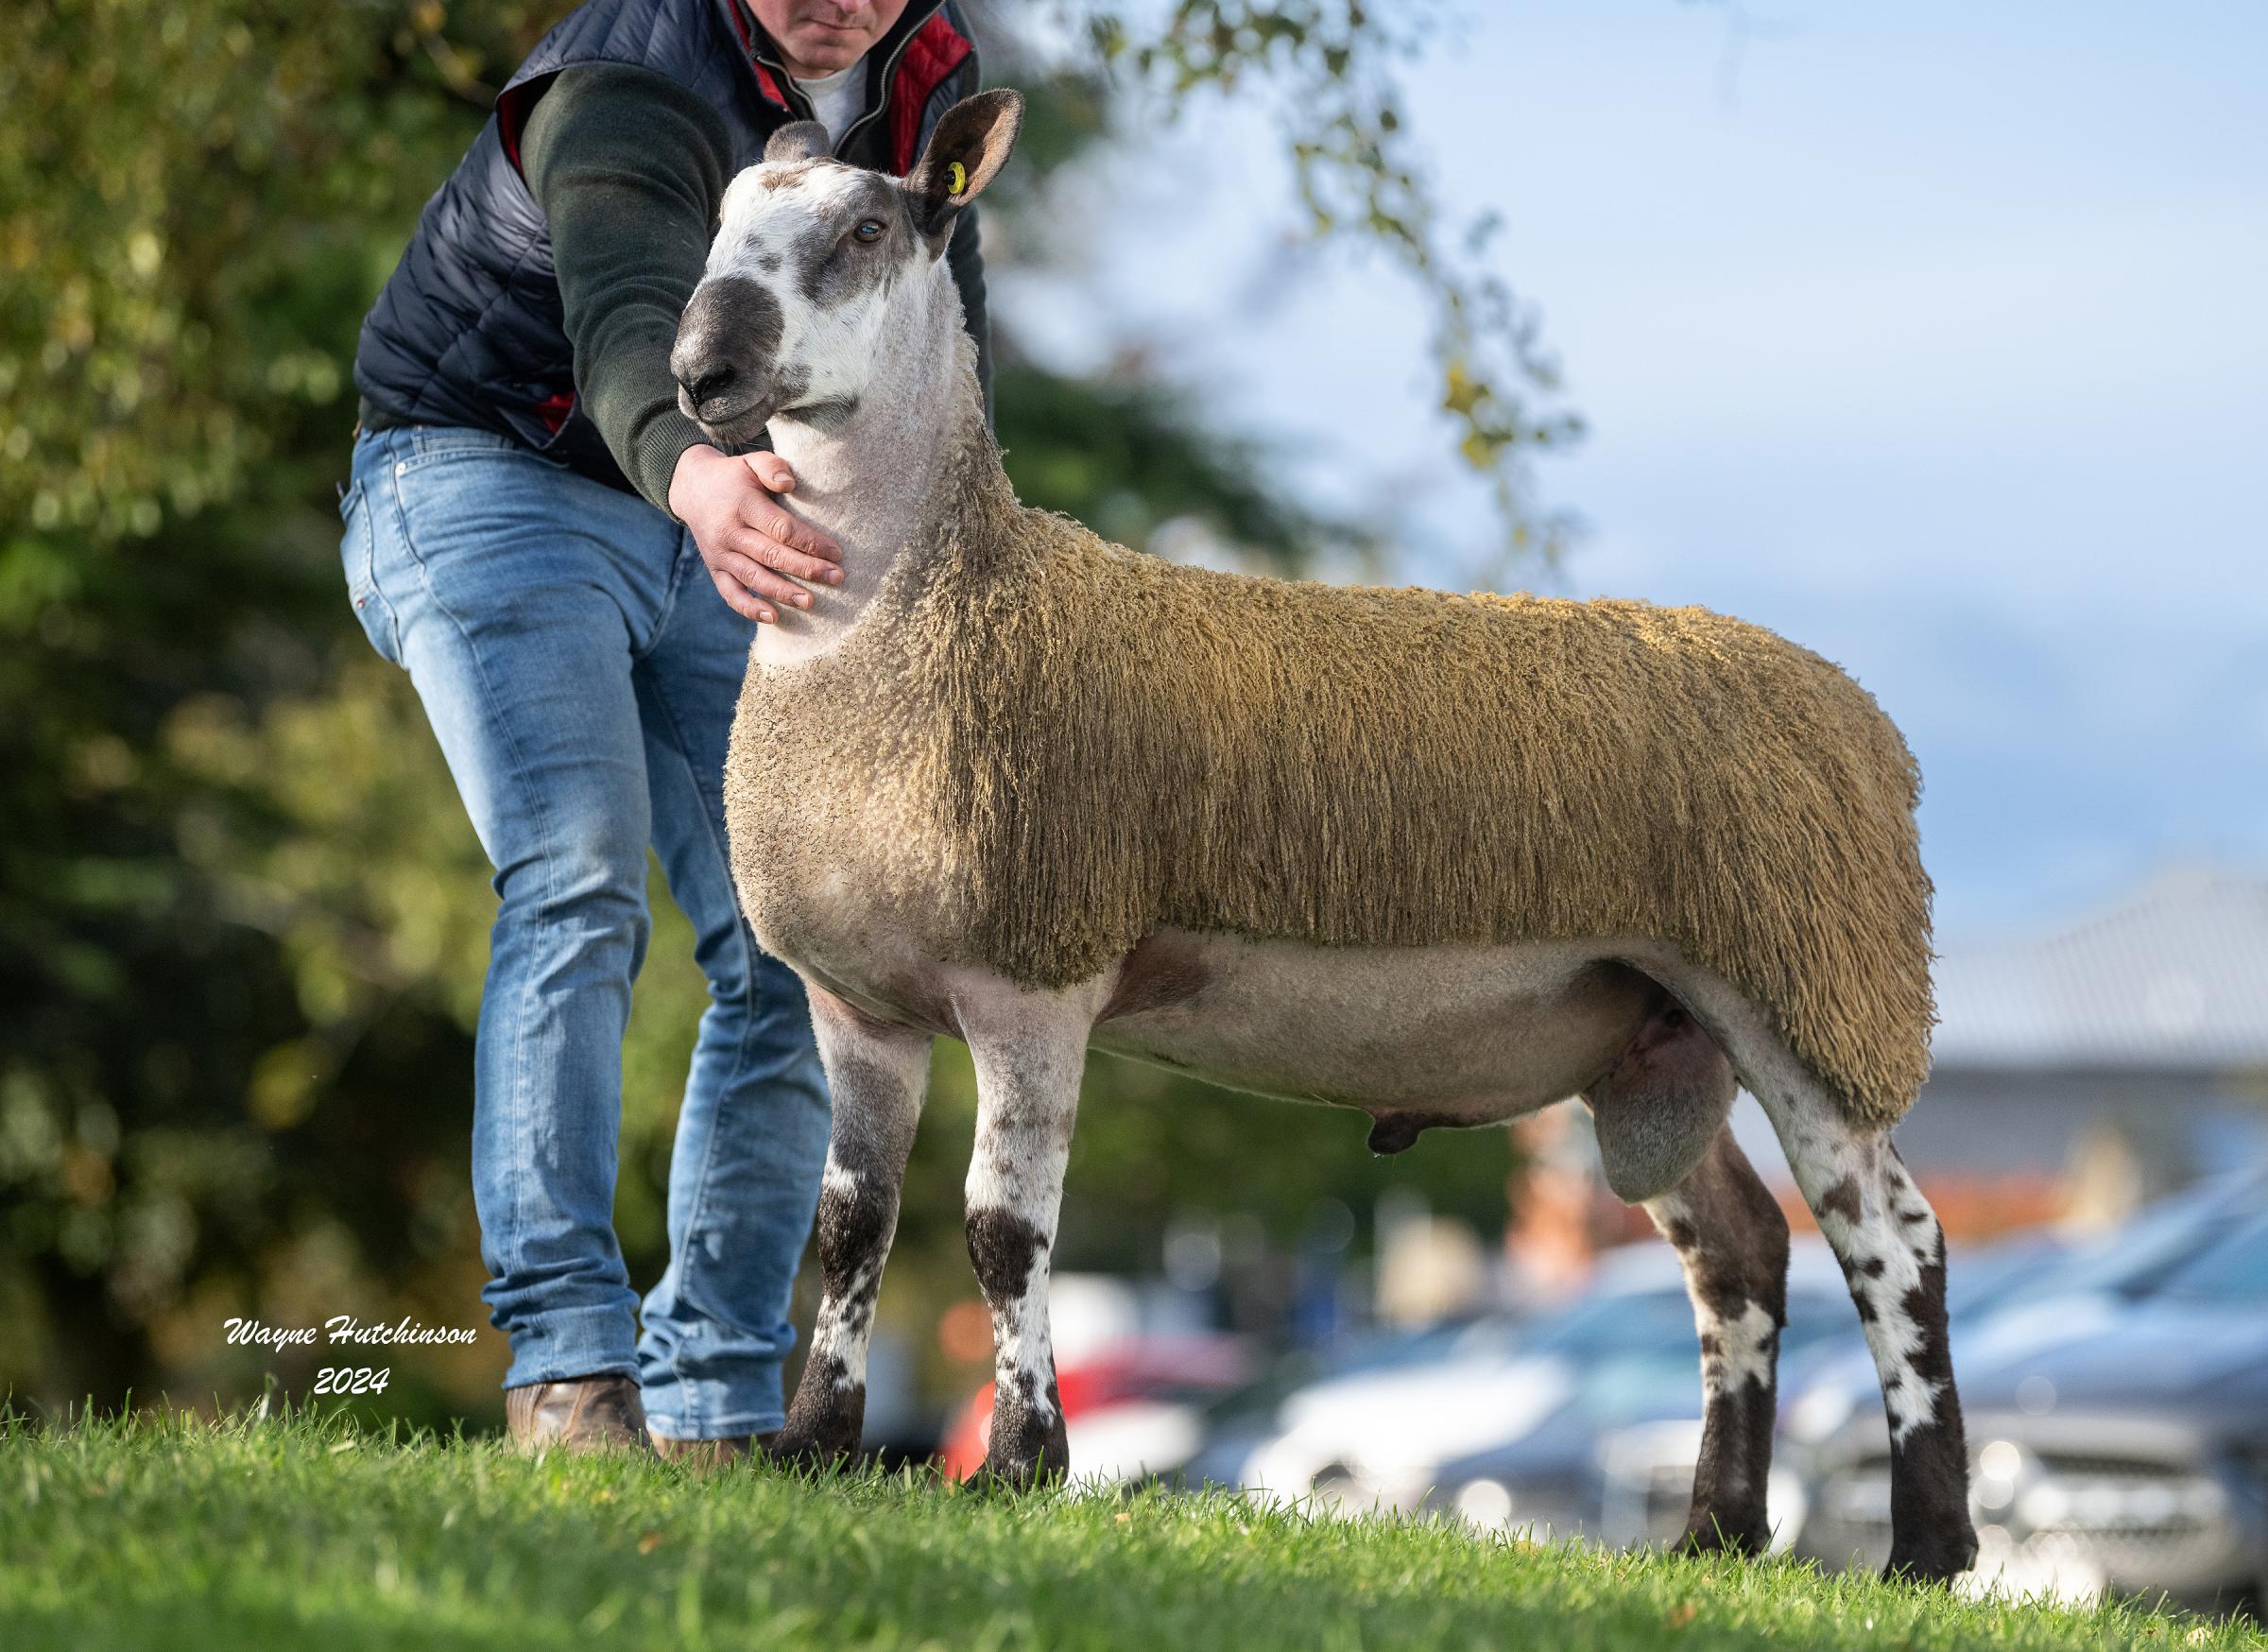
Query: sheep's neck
(870,483)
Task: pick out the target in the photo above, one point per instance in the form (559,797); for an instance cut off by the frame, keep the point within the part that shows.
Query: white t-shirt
(838,98)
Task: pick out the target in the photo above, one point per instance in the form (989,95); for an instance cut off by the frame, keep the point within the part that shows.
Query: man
(537,534)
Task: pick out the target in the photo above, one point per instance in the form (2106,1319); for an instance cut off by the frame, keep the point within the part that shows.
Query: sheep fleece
(1037,747)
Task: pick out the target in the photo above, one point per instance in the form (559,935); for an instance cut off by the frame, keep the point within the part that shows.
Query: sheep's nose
(706,379)
(723,356)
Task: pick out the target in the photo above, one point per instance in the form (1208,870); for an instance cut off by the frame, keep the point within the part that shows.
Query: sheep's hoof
(1712,1535)
(1025,1451)
(1939,1557)
(792,1451)
(827,1441)
(1014,1477)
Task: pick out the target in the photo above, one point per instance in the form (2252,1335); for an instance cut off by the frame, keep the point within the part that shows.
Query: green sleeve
(628,168)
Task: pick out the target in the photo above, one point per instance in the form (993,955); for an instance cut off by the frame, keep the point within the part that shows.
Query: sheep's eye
(869,229)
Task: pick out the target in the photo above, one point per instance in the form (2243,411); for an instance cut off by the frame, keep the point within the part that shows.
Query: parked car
(1614,1462)
(2116,1417)
(1645,1466)
(1239,1422)
(1840,1377)
(1380,1435)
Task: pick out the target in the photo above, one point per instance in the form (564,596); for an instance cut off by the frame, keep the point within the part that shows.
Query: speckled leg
(1893,1254)
(877,1074)
(1027,1076)
(1732,1241)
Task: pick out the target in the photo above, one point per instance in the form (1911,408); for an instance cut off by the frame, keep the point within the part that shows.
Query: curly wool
(1086,746)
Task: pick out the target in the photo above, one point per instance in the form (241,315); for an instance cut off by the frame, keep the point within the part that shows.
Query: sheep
(1448,859)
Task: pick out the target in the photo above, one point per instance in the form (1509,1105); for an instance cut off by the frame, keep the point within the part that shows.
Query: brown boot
(584,1414)
(711,1454)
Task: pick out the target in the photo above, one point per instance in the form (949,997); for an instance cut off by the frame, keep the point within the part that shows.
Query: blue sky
(1940,348)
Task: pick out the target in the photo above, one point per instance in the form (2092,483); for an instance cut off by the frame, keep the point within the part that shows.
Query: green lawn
(256,1536)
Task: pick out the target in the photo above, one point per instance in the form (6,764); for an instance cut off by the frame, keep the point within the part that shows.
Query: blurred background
(1926,336)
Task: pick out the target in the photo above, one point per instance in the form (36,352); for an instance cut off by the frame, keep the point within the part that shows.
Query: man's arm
(630,167)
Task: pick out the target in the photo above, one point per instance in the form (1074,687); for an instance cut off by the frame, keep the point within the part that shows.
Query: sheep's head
(814,261)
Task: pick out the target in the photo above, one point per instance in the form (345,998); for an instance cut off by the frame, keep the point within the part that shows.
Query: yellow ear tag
(956,177)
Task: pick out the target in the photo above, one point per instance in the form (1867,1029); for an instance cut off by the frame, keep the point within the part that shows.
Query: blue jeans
(580,673)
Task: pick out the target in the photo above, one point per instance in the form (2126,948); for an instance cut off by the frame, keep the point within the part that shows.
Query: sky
(1937,345)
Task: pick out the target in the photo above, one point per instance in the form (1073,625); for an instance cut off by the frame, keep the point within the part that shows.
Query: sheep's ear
(968,149)
(802,140)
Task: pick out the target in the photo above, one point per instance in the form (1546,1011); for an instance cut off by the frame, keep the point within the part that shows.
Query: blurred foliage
(1327,68)
(1115,452)
(242,924)
(232,1062)
(1123,451)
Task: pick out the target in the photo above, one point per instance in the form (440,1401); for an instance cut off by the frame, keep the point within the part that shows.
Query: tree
(1327,69)
(242,933)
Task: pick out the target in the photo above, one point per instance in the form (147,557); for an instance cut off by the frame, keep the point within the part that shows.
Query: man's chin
(827,50)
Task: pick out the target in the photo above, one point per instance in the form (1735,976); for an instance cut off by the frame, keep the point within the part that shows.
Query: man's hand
(755,551)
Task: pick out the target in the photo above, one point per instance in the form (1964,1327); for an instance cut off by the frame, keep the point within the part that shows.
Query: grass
(244,1535)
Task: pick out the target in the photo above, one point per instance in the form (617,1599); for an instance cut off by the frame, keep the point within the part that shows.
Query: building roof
(2176,975)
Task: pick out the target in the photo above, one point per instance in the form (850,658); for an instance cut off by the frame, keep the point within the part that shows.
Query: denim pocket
(431,442)
(358,550)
